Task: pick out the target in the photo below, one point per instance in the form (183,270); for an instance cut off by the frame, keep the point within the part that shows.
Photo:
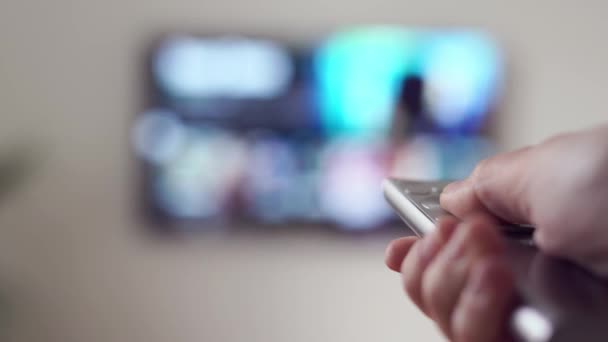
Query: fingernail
(453,187)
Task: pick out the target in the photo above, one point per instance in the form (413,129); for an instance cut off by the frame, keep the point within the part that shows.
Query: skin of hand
(456,275)
(560,186)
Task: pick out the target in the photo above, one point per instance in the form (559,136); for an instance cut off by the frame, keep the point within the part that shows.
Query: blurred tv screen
(236,128)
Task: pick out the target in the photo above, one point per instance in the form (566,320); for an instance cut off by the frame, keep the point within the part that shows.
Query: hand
(457,277)
(560,186)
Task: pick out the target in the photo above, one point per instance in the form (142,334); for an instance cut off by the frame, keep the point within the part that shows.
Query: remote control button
(431,205)
(417,191)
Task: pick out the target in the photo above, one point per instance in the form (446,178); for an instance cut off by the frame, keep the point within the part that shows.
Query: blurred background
(198,171)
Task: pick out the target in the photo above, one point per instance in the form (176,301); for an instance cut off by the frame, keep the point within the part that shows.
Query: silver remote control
(417,203)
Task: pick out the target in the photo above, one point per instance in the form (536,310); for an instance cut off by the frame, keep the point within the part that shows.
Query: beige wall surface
(75,264)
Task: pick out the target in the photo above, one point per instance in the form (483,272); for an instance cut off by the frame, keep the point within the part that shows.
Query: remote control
(417,203)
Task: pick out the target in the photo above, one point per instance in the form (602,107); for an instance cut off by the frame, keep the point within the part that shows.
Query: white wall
(75,263)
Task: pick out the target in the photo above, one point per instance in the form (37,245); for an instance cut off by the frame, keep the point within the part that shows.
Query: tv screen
(236,128)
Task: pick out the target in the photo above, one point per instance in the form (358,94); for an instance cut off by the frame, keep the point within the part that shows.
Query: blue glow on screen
(358,74)
(462,71)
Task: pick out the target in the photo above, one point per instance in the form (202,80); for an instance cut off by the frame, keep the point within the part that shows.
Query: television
(246,129)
